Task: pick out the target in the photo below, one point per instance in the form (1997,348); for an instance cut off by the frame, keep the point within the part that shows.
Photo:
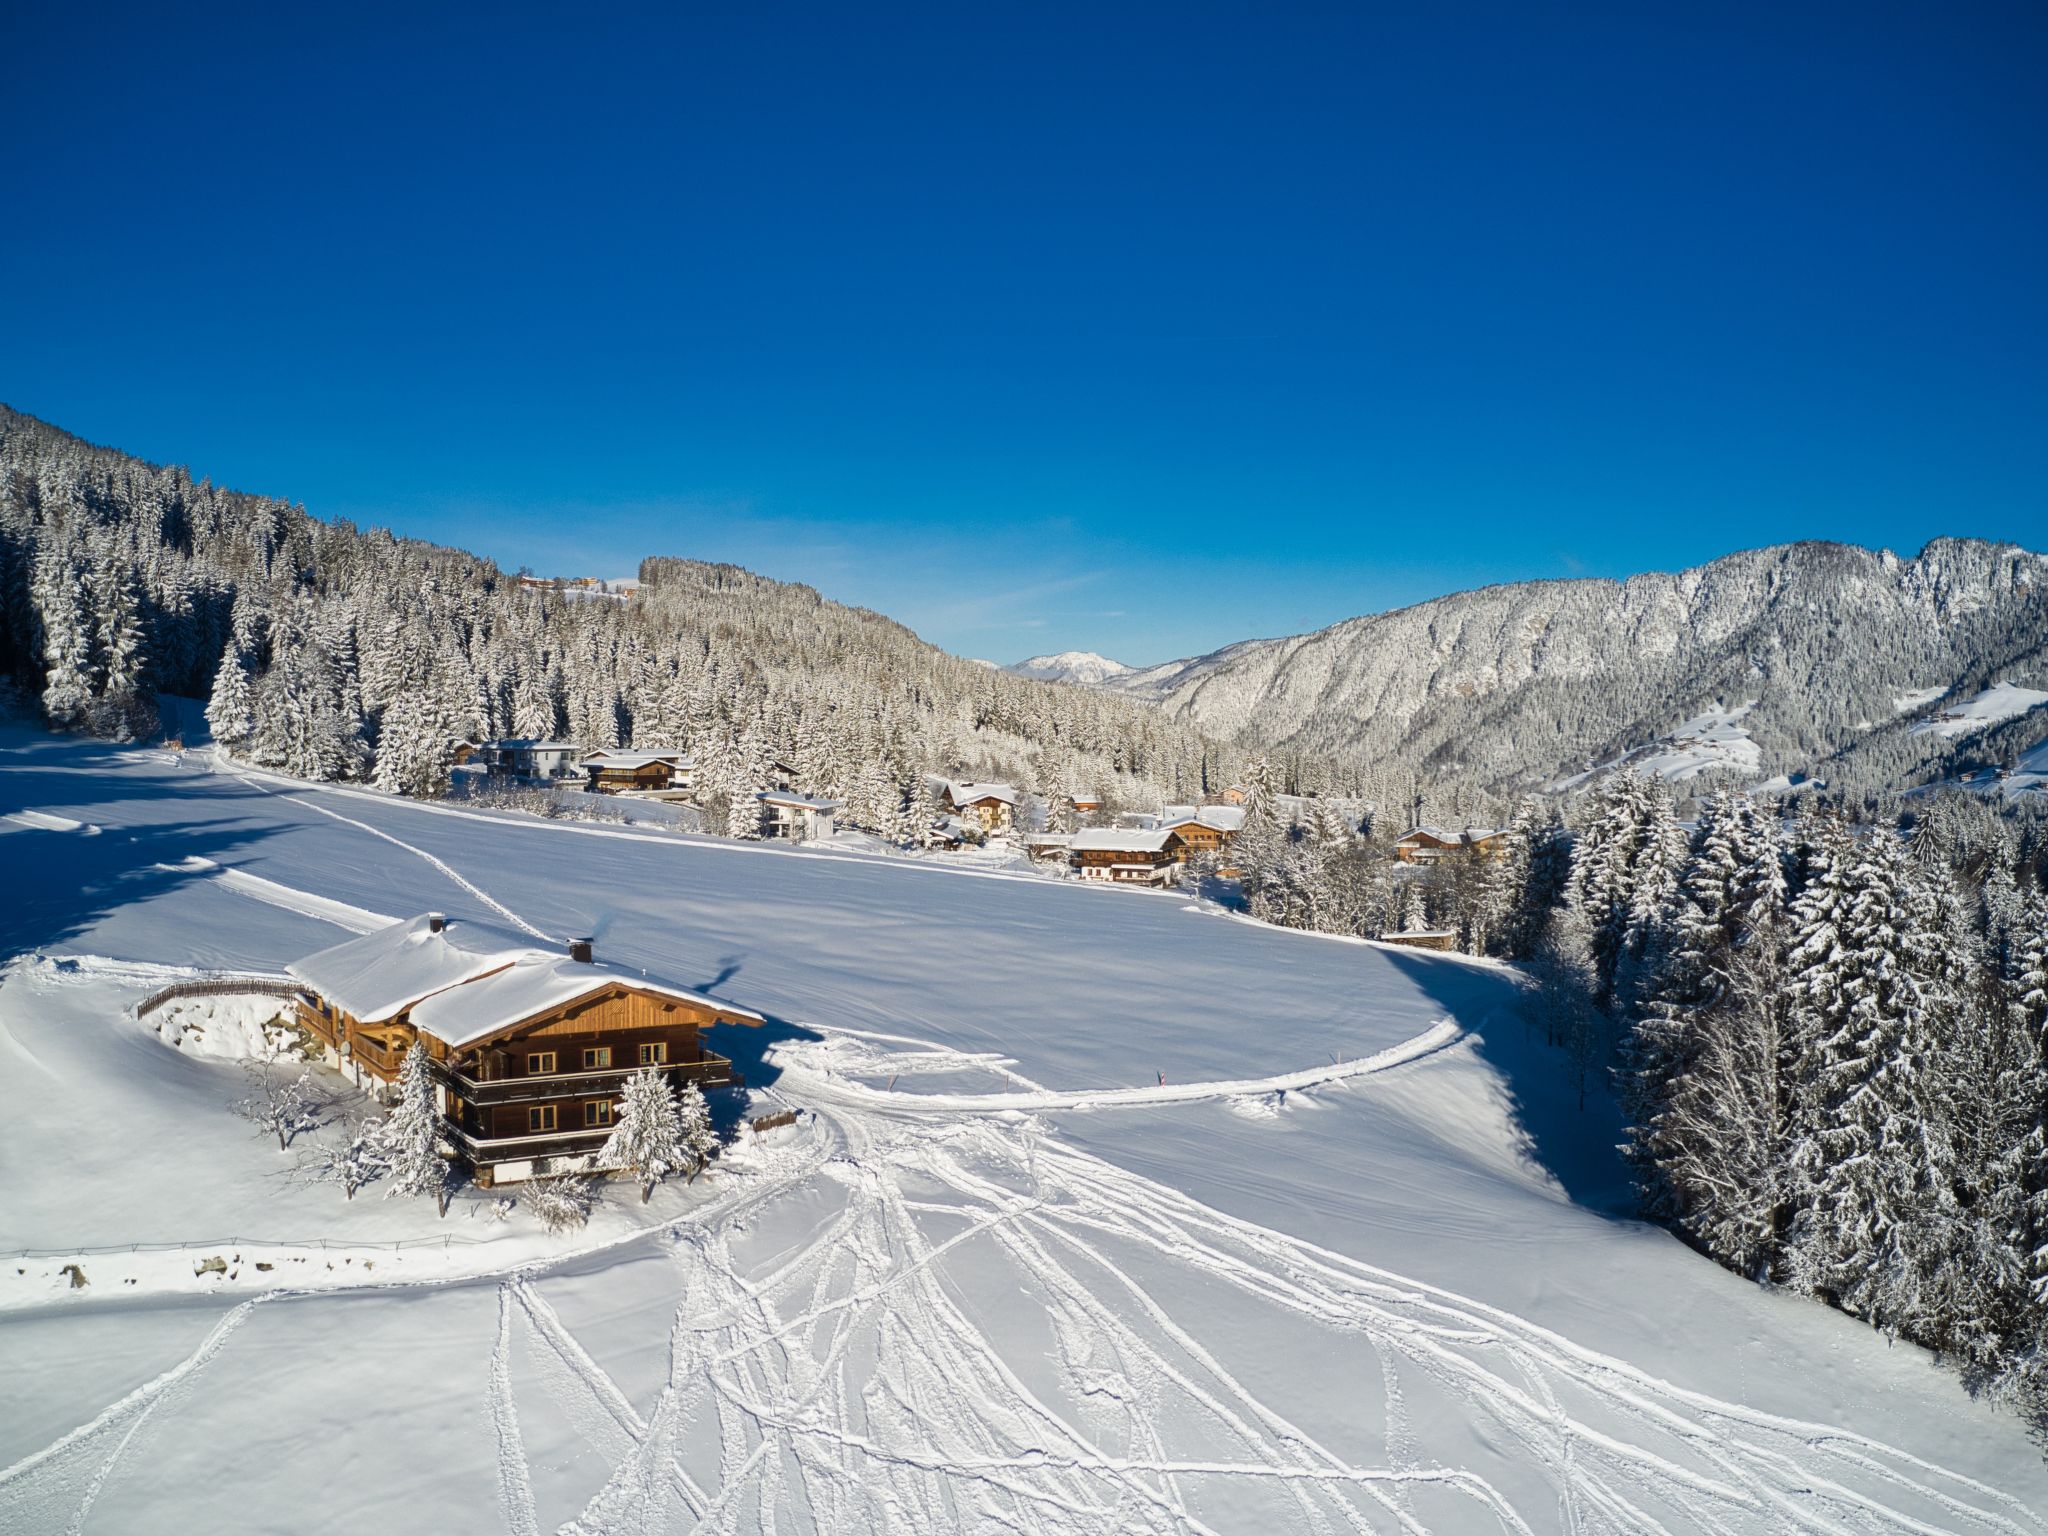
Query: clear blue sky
(1135,331)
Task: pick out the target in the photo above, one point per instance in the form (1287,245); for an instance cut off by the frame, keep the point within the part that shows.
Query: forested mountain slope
(1515,686)
(350,653)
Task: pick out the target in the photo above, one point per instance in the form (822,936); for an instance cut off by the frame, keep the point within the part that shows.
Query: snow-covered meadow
(1105,1213)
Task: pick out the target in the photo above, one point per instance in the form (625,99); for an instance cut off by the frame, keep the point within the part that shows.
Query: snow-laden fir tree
(229,711)
(411,1137)
(650,1139)
(413,749)
(1859,985)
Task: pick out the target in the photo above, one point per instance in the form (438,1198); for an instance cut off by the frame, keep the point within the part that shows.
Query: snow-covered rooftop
(384,972)
(528,744)
(1445,835)
(1218,818)
(536,983)
(967,793)
(635,759)
(803,802)
(459,977)
(1122,839)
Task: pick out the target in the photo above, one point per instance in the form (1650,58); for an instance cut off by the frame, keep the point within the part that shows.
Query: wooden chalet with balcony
(992,805)
(648,773)
(1127,855)
(531,1047)
(1204,828)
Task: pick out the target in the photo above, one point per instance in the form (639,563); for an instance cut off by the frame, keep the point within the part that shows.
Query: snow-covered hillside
(1106,1213)
(1084,668)
(1513,686)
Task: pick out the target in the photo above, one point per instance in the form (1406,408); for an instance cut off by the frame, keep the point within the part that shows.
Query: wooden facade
(610,778)
(539,1095)
(1426,845)
(1131,861)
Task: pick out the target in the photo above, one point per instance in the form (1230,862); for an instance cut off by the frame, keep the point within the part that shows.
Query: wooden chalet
(1087,802)
(1426,844)
(1205,828)
(619,772)
(993,805)
(1127,855)
(1423,938)
(531,1047)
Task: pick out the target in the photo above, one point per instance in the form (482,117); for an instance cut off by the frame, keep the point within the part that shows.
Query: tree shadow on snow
(1580,1148)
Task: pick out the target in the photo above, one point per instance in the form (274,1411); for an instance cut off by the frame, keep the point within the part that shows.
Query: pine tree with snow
(57,599)
(1859,1160)
(698,1137)
(650,1139)
(1257,785)
(410,1141)
(413,750)
(229,713)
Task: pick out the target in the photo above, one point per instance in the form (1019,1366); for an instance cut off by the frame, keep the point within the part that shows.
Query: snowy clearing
(2001,701)
(998,1277)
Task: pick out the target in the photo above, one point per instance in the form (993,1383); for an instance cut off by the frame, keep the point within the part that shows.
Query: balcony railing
(708,1071)
(505,1149)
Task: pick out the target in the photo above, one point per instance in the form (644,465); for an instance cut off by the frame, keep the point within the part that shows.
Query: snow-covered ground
(2001,701)
(1710,742)
(1105,1213)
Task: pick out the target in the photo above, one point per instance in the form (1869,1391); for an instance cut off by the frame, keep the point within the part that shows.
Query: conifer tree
(651,1138)
(411,1139)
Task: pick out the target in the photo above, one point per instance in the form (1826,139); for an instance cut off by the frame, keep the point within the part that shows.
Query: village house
(613,771)
(1127,855)
(530,1047)
(1049,847)
(1087,802)
(1427,844)
(521,760)
(1204,828)
(799,818)
(993,805)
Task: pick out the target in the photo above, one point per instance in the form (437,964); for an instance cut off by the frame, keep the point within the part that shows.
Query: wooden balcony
(483,1151)
(708,1071)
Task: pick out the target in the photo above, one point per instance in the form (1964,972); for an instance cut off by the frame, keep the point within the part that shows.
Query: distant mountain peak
(1082,667)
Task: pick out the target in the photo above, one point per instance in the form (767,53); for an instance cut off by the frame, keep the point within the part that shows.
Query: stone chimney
(579,950)
(436,921)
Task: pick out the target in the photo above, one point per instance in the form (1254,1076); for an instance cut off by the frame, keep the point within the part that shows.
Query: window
(598,1112)
(597,1058)
(653,1055)
(541,1118)
(540,1062)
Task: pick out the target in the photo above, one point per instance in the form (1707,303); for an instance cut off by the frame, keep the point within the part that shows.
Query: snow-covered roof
(967,793)
(1217,818)
(528,744)
(538,983)
(803,802)
(1122,839)
(1441,835)
(386,971)
(635,759)
(466,980)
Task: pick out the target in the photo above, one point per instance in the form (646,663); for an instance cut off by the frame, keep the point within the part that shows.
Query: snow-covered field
(1106,1213)
(2001,701)
(1711,742)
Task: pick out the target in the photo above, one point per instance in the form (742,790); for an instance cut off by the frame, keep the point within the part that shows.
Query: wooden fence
(219,986)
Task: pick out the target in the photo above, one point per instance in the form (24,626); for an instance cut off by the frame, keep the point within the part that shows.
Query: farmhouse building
(617,772)
(526,761)
(1127,855)
(1426,844)
(1204,828)
(531,1047)
(797,817)
(993,805)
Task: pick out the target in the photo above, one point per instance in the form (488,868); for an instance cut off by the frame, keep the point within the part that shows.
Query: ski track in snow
(852,1383)
(443,866)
